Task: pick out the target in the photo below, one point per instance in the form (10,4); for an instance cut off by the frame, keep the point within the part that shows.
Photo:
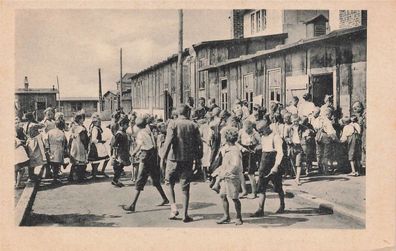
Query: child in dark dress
(120,150)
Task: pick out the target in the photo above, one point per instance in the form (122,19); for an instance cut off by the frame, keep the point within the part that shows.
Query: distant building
(34,100)
(109,103)
(70,105)
(126,99)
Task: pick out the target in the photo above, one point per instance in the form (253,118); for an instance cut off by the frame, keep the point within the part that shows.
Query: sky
(73,44)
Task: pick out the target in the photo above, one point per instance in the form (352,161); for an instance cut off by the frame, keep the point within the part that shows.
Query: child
(160,142)
(308,143)
(206,135)
(78,148)
(120,150)
(352,139)
(294,140)
(56,146)
(21,157)
(229,176)
(97,150)
(146,147)
(249,139)
(132,132)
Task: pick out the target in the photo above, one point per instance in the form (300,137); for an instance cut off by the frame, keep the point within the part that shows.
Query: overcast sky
(73,44)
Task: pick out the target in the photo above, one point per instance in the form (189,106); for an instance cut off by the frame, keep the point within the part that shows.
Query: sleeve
(94,135)
(84,138)
(346,132)
(139,138)
(279,150)
(198,142)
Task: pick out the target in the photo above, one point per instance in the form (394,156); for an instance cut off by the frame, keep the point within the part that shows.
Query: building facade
(71,105)
(288,54)
(34,100)
(109,104)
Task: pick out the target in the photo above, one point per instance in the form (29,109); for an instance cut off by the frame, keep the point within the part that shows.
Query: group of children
(45,144)
(274,144)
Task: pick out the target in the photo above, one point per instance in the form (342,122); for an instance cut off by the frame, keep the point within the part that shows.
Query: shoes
(117,184)
(353,174)
(216,189)
(223,220)
(238,222)
(258,213)
(173,215)
(298,183)
(163,203)
(252,196)
(188,219)
(243,196)
(129,209)
(281,210)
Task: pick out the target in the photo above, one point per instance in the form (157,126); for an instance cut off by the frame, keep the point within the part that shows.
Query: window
(274,83)
(76,106)
(202,79)
(224,95)
(258,21)
(248,83)
(320,29)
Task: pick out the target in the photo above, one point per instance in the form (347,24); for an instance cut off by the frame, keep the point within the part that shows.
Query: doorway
(321,85)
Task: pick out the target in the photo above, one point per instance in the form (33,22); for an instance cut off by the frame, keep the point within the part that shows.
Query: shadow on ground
(80,220)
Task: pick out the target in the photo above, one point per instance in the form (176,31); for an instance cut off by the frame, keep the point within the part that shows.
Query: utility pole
(120,86)
(57,83)
(179,58)
(100,93)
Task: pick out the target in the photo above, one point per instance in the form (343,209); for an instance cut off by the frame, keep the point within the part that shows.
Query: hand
(272,172)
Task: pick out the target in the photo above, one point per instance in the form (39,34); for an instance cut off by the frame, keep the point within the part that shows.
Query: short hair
(202,98)
(231,135)
(123,120)
(306,96)
(183,110)
(141,122)
(213,100)
(225,114)
(248,123)
(216,111)
(60,124)
(296,98)
(295,117)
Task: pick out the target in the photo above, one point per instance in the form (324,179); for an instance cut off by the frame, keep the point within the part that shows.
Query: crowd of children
(276,143)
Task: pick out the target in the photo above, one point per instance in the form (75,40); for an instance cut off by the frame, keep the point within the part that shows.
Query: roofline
(316,17)
(42,91)
(78,99)
(171,58)
(331,35)
(238,40)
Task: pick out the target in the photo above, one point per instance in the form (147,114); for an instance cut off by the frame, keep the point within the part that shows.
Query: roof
(78,99)
(36,91)
(281,48)
(316,18)
(171,58)
(114,92)
(240,40)
(126,77)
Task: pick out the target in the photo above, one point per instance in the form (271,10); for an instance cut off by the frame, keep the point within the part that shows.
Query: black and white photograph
(191,118)
(197,125)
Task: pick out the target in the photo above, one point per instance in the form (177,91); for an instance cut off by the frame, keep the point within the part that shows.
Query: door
(248,90)
(224,95)
(321,85)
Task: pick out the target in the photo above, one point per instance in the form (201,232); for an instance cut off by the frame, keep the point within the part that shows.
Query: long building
(272,56)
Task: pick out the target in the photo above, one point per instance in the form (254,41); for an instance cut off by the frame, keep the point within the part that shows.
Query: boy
(146,146)
(352,139)
(269,170)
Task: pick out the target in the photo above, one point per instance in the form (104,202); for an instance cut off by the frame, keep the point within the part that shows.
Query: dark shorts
(297,155)
(181,170)
(249,162)
(267,162)
(148,167)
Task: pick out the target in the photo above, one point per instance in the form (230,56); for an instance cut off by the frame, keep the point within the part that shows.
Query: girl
(229,175)
(97,151)
(78,148)
(132,132)
(120,150)
(34,144)
(352,139)
(56,146)
(206,135)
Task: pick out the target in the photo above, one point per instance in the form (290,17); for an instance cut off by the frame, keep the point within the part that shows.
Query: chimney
(237,23)
(53,87)
(26,82)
